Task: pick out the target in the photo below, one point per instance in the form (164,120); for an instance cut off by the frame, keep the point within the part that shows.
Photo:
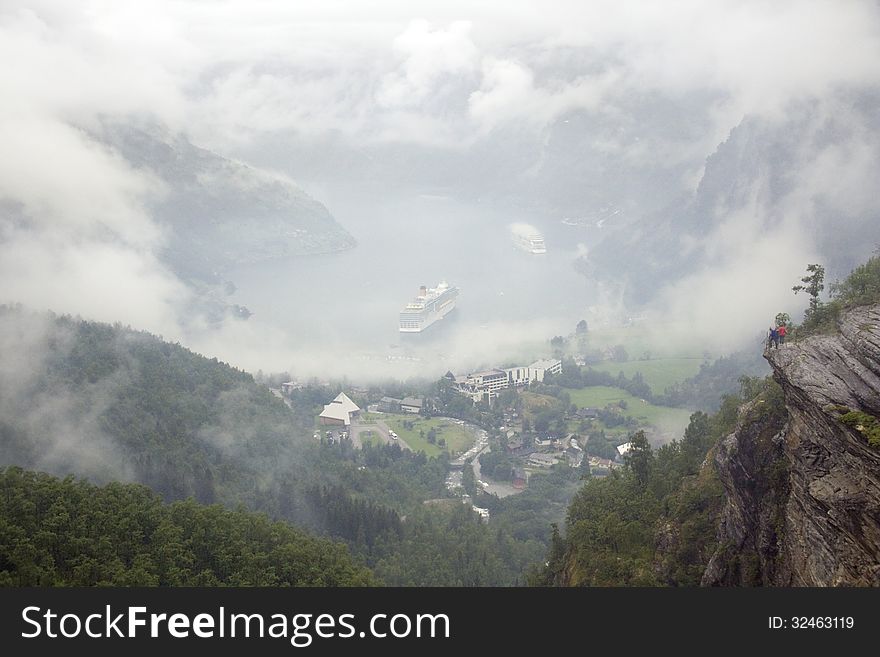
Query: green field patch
(457,438)
(533,403)
(659,373)
(665,419)
(369,437)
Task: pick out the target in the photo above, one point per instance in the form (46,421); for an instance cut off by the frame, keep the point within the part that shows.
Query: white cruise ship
(530,242)
(431,304)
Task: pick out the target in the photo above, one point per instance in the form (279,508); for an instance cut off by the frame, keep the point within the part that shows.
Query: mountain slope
(220,212)
(110,403)
(803,490)
(802,174)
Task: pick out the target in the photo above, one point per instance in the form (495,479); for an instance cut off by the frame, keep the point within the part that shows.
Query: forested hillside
(69,532)
(657,521)
(653,523)
(113,404)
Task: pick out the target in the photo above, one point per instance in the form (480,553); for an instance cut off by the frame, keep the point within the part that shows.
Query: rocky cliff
(802,470)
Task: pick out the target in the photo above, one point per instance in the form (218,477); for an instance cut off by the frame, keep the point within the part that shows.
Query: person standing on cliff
(773,338)
(781,331)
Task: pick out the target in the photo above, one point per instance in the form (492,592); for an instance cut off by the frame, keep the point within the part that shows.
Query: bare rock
(803,488)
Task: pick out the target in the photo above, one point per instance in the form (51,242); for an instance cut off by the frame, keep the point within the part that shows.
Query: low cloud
(723,306)
(45,426)
(75,234)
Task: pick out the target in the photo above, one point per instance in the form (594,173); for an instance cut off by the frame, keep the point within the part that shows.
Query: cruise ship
(431,304)
(530,242)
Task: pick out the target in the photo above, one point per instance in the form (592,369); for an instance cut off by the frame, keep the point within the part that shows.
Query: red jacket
(781,331)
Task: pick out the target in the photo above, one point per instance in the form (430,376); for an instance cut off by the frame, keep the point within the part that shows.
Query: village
(481,423)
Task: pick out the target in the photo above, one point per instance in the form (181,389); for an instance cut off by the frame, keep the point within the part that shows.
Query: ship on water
(532,242)
(528,238)
(431,305)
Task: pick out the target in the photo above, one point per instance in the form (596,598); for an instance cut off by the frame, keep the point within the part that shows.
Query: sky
(76,234)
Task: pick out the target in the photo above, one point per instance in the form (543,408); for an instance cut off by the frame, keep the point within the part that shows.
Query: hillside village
(501,424)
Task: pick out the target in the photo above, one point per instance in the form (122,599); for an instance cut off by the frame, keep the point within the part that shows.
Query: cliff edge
(802,469)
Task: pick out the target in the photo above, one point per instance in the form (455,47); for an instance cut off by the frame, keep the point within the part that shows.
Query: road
(501,489)
(277,393)
(482,445)
(380,433)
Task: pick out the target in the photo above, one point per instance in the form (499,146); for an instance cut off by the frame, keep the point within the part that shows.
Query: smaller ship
(531,242)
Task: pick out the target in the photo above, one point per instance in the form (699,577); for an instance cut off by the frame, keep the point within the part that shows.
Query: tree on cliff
(783,319)
(639,457)
(813,284)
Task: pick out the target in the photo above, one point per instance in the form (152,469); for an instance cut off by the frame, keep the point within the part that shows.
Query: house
(340,411)
(597,462)
(514,443)
(623,449)
(288,387)
(543,441)
(574,456)
(542,460)
(389,405)
(411,405)
(588,413)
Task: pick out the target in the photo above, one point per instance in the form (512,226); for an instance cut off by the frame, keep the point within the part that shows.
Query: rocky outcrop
(802,479)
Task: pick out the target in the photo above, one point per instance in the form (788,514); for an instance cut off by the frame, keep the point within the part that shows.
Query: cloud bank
(75,235)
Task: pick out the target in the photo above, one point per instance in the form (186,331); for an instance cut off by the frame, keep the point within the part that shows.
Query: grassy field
(533,403)
(658,373)
(369,438)
(667,420)
(458,439)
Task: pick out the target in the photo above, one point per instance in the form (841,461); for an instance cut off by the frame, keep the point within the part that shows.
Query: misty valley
(539,298)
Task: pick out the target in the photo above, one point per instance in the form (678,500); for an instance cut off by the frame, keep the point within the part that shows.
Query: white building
(340,411)
(523,376)
(490,382)
(483,513)
(546,366)
(479,384)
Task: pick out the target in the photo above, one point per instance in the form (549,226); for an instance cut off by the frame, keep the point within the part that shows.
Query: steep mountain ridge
(803,480)
(766,171)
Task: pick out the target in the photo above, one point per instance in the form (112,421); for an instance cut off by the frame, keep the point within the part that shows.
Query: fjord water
(351,299)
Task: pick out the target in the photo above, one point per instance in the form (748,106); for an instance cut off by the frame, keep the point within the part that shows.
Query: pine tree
(813,284)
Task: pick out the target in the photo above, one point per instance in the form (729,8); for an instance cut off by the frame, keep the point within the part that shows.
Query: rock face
(763,161)
(802,482)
